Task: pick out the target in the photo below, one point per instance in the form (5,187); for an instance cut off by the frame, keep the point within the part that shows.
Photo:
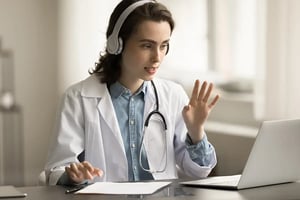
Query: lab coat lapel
(107,113)
(108,129)
(92,88)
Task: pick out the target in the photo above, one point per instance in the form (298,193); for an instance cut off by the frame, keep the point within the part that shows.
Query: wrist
(196,137)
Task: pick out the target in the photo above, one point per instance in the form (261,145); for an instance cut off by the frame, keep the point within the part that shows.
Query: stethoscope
(146,124)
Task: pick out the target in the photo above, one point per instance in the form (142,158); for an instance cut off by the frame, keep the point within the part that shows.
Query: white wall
(54,44)
(29,29)
(82,27)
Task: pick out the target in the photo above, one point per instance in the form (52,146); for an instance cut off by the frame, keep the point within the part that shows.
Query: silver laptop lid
(9,191)
(274,157)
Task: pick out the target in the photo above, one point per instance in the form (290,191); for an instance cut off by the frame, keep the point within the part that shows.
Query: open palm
(196,112)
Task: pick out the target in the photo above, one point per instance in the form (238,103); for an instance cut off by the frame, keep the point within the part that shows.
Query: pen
(75,189)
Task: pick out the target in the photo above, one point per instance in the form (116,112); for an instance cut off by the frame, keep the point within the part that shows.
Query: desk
(174,191)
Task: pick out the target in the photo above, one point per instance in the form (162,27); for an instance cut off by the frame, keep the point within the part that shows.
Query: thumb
(186,109)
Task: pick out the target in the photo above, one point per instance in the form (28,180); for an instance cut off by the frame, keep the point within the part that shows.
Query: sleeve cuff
(201,149)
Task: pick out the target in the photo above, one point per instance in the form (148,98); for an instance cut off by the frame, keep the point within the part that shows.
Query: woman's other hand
(196,112)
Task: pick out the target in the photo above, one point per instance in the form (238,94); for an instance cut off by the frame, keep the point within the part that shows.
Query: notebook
(9,191)
(274,159)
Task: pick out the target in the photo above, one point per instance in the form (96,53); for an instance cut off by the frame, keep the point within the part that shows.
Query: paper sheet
(130,188)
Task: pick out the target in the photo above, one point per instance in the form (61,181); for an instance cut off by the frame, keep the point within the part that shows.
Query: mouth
(151,70)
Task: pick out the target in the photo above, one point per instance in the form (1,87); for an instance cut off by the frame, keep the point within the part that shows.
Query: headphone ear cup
(114,45)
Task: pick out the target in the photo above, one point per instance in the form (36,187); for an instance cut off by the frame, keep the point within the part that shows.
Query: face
(144,51)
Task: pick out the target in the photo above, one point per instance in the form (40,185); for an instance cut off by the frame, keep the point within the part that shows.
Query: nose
(157,55)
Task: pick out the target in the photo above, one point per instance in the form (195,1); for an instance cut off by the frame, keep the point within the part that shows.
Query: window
(188,54)
(213,39)
(233,38)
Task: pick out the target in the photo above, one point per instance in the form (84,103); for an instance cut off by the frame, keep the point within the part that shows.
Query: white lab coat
(87,122)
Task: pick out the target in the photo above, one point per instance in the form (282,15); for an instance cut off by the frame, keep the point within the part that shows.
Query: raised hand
(196,112)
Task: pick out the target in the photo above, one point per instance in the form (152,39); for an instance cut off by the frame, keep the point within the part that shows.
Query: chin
(149,78)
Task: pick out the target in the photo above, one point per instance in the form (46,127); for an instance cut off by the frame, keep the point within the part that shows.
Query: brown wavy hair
(108,67)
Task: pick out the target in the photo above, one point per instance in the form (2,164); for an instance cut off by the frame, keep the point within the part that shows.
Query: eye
(146,45)
(164,46)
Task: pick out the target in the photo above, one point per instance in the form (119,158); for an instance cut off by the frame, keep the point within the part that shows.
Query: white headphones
(114,43)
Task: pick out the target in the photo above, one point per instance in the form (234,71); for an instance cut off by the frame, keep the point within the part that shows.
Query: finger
(208,92)
(87,174)
(74,169)
(70,173)
(88,166)
(214,101)
(202,91)
(98,172)
(85,171)
(92,170)
(195,92)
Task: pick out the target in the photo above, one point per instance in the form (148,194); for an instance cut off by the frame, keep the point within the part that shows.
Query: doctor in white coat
(102,131)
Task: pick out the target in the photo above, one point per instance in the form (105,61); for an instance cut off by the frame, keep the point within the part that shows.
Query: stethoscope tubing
(146,124)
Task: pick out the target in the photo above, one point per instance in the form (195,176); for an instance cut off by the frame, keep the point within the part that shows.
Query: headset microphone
(114,42)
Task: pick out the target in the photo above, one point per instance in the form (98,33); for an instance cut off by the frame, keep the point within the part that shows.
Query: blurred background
(248,48)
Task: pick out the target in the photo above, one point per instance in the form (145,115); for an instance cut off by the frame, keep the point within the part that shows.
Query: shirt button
(133,146)
(132,122)
(134,168)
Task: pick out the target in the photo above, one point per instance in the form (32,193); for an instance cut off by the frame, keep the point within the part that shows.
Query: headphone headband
(114,43)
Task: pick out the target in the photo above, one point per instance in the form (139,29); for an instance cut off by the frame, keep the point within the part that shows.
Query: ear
(168,47)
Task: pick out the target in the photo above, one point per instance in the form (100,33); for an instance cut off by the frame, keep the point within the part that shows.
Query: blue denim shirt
(129,110)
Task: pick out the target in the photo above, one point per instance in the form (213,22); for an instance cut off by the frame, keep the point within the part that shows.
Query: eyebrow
(152,41)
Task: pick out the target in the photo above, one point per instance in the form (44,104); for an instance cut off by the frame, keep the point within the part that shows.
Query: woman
(102,131)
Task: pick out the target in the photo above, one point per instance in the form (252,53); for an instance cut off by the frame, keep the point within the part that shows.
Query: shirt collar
(117,89)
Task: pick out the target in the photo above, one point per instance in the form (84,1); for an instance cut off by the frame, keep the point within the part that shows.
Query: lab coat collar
(92,87)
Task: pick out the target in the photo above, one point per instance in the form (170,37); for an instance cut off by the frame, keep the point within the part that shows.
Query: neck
(133,86)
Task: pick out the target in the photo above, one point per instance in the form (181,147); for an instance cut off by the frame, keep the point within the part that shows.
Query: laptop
(274,159)
(9,191)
